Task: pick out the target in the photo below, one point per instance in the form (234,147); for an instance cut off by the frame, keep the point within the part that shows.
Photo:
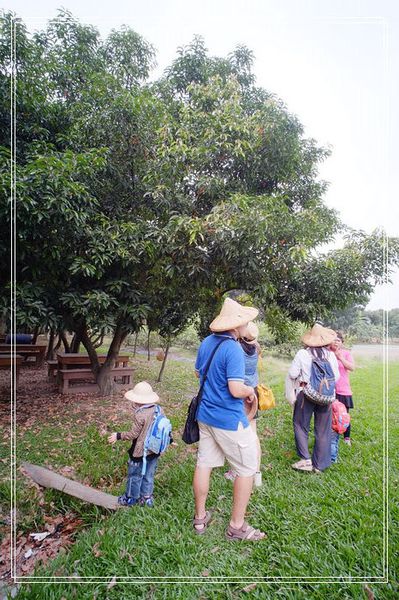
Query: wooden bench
(87,379)
(7,361)
(52,368)
(37,351)
(72,360)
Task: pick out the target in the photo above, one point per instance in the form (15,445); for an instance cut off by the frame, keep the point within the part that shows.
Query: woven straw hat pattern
(318,336)
(142,393)
(233,315)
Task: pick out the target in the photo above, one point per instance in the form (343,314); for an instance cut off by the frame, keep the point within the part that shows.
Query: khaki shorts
(238,447)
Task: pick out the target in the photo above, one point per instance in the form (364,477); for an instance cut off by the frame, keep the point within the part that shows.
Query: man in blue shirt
(224,427)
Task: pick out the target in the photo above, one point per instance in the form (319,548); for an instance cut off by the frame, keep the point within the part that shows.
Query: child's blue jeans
(334,446)
(138,485)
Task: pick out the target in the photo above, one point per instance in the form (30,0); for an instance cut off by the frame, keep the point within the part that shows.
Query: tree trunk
(148,345)
(86,341)
(35,334)
(103,373)
(135,343)
(50,347)
(164,361)
(99,340)
(64,340)
(58,344)
(105,381)
(76,341)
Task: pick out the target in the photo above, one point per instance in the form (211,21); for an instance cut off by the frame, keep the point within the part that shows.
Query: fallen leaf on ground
(38,537)
(111,583)
(268,432)
(369,592)
(249,587)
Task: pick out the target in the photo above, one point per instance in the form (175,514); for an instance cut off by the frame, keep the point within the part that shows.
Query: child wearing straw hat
(316,341)
(139,486)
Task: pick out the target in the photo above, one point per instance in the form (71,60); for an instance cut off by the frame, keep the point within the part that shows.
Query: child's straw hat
(142,393)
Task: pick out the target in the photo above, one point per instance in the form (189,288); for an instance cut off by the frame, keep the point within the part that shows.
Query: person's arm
(235,372)
(197,363)
(238,389)
(347,360)
(127,435)
(295,369)
(334,365)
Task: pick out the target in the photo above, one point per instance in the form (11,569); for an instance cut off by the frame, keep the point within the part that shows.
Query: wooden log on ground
(49,479)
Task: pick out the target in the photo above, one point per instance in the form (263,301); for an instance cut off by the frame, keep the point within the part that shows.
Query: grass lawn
(318,526)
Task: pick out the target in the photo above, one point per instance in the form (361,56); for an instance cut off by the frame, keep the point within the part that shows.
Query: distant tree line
(366,325)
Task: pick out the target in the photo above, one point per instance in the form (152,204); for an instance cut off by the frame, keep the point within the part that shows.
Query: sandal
(245,532)
(204,522)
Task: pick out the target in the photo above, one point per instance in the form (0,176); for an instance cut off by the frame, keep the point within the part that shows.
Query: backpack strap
(145,406)
(199,396)
(157,412)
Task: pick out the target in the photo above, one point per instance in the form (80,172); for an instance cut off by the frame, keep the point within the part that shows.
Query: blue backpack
(321,387)
(158,436)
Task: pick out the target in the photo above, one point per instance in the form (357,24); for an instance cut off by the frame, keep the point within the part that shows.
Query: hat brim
(228,322)
(320,339)
(152,398)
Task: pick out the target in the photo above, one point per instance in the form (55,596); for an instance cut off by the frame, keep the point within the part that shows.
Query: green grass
(318,526)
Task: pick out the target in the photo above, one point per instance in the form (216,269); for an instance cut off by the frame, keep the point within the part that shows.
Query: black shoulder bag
(191,429)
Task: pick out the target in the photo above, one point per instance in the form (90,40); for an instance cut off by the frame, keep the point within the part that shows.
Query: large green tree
(148,202)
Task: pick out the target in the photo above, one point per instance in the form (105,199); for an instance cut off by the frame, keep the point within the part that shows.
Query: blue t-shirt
(218,407)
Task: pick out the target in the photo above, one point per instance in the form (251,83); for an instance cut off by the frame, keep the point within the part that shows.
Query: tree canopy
(141,201)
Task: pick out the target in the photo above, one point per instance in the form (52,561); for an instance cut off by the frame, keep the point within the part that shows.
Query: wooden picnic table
(74,367)
(7,361)
(75,360)
(38,351)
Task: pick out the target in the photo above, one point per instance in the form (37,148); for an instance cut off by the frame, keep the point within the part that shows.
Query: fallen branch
(49,479)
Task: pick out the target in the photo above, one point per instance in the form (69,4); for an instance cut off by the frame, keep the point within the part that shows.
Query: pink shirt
(343,386)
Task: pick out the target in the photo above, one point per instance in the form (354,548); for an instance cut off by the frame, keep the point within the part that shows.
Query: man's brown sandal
(204,522)
(245,532)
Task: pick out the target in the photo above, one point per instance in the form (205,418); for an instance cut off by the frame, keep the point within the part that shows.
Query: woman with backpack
(315,369)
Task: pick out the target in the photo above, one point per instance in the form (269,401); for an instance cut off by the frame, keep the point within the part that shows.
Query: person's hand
(112,438)
(251,398)
(338,353)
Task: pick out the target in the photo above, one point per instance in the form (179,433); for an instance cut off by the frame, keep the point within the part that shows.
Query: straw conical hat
(142,393)
(233,315)
(318,336)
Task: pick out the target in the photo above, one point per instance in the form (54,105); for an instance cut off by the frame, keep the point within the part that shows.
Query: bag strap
(146,406)
(199,396)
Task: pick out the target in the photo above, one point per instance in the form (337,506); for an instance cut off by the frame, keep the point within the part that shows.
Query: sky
(334,63)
